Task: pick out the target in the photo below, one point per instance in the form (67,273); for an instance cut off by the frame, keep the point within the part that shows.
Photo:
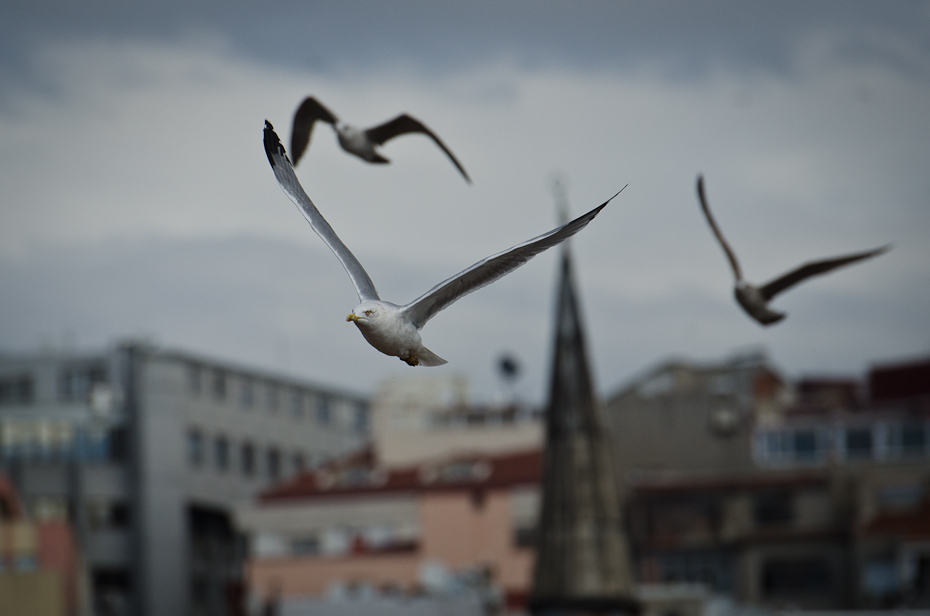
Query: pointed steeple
(582,561)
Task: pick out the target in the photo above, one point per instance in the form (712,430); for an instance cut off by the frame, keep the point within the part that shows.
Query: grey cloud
(687,38)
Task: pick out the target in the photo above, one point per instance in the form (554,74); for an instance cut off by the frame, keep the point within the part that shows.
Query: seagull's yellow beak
(352,317)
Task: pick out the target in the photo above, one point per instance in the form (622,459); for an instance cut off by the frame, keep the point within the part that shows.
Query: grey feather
(284,173)
(488,270)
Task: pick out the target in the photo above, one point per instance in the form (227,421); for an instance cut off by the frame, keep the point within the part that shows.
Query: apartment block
(146,451)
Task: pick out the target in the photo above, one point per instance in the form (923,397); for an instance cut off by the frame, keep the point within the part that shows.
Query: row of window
(252,392)
(75,382)
(816,444)
(717,569)
(53,441)
(218,452)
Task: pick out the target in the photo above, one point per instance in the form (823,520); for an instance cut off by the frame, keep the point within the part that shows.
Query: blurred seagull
(753,299)
(390,328)
(354,140)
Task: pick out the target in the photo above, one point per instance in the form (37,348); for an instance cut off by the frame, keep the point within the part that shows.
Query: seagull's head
(368,313)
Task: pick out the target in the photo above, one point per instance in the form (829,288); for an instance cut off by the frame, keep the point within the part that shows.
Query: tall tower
(582,563)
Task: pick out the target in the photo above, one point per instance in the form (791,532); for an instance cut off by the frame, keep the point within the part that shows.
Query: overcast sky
(136,200)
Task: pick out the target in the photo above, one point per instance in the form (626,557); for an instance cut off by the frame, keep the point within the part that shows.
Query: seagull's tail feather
(428,358)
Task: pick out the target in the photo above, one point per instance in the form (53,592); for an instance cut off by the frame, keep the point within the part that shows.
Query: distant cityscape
(189,485)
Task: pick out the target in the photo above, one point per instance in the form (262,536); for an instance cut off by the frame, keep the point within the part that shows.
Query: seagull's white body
(354,141)
(755,299)
(384,327)
(393,329)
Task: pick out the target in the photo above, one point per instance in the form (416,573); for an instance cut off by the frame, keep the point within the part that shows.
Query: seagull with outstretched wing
(357,141)
(753,299)
(393,329)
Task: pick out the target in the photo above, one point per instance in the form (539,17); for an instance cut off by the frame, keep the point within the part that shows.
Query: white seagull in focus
(355,140)
(753,299)
(390,328)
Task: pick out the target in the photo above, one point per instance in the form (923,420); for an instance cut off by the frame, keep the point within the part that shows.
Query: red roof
(459,473)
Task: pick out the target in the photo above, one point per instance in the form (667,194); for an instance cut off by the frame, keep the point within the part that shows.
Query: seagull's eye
(368,313)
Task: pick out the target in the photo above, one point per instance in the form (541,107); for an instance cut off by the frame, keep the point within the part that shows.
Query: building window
(194,447)
(246,393)
(858,443)
(272,397)
(790,576)
(221,453)
(881,579)
(901,496)
(716,569)
(297,403)
(248,459)
(913,439)
(478,499)
(76,382)
(771,508)
(805,445)
(306,546)
(106,514)
(524,537)
(194,378)
(15,390)
(323,411)
(219,385)
(360,421)
(274,464)
(45,508)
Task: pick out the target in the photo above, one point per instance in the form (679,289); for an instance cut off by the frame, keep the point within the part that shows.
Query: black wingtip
(617,193)
(590,215)
(272,143)
(700,187)
(603,205)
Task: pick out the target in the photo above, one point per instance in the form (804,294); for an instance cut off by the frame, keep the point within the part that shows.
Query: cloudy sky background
(136,200)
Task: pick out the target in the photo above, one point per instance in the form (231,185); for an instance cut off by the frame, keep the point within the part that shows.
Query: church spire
(582,561)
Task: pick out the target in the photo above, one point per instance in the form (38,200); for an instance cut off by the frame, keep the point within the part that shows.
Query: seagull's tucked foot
(411,361)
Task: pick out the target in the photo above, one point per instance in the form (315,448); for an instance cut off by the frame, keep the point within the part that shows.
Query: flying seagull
(390,328)
(355,140)
(753,299)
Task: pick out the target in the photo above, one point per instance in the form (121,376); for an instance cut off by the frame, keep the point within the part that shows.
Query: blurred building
(40,572)
(695,417)
(146,451)
(814,495)
(424,417)
(361,526)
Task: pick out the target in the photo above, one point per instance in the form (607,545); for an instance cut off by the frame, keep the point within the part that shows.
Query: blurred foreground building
(145,452)
(814,495)
(362,528)
(40,568)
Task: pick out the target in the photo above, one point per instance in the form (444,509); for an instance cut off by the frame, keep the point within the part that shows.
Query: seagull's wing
(814,268)
(713,227)
(403,124)
(309,112)
(284,173)
(488,270)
